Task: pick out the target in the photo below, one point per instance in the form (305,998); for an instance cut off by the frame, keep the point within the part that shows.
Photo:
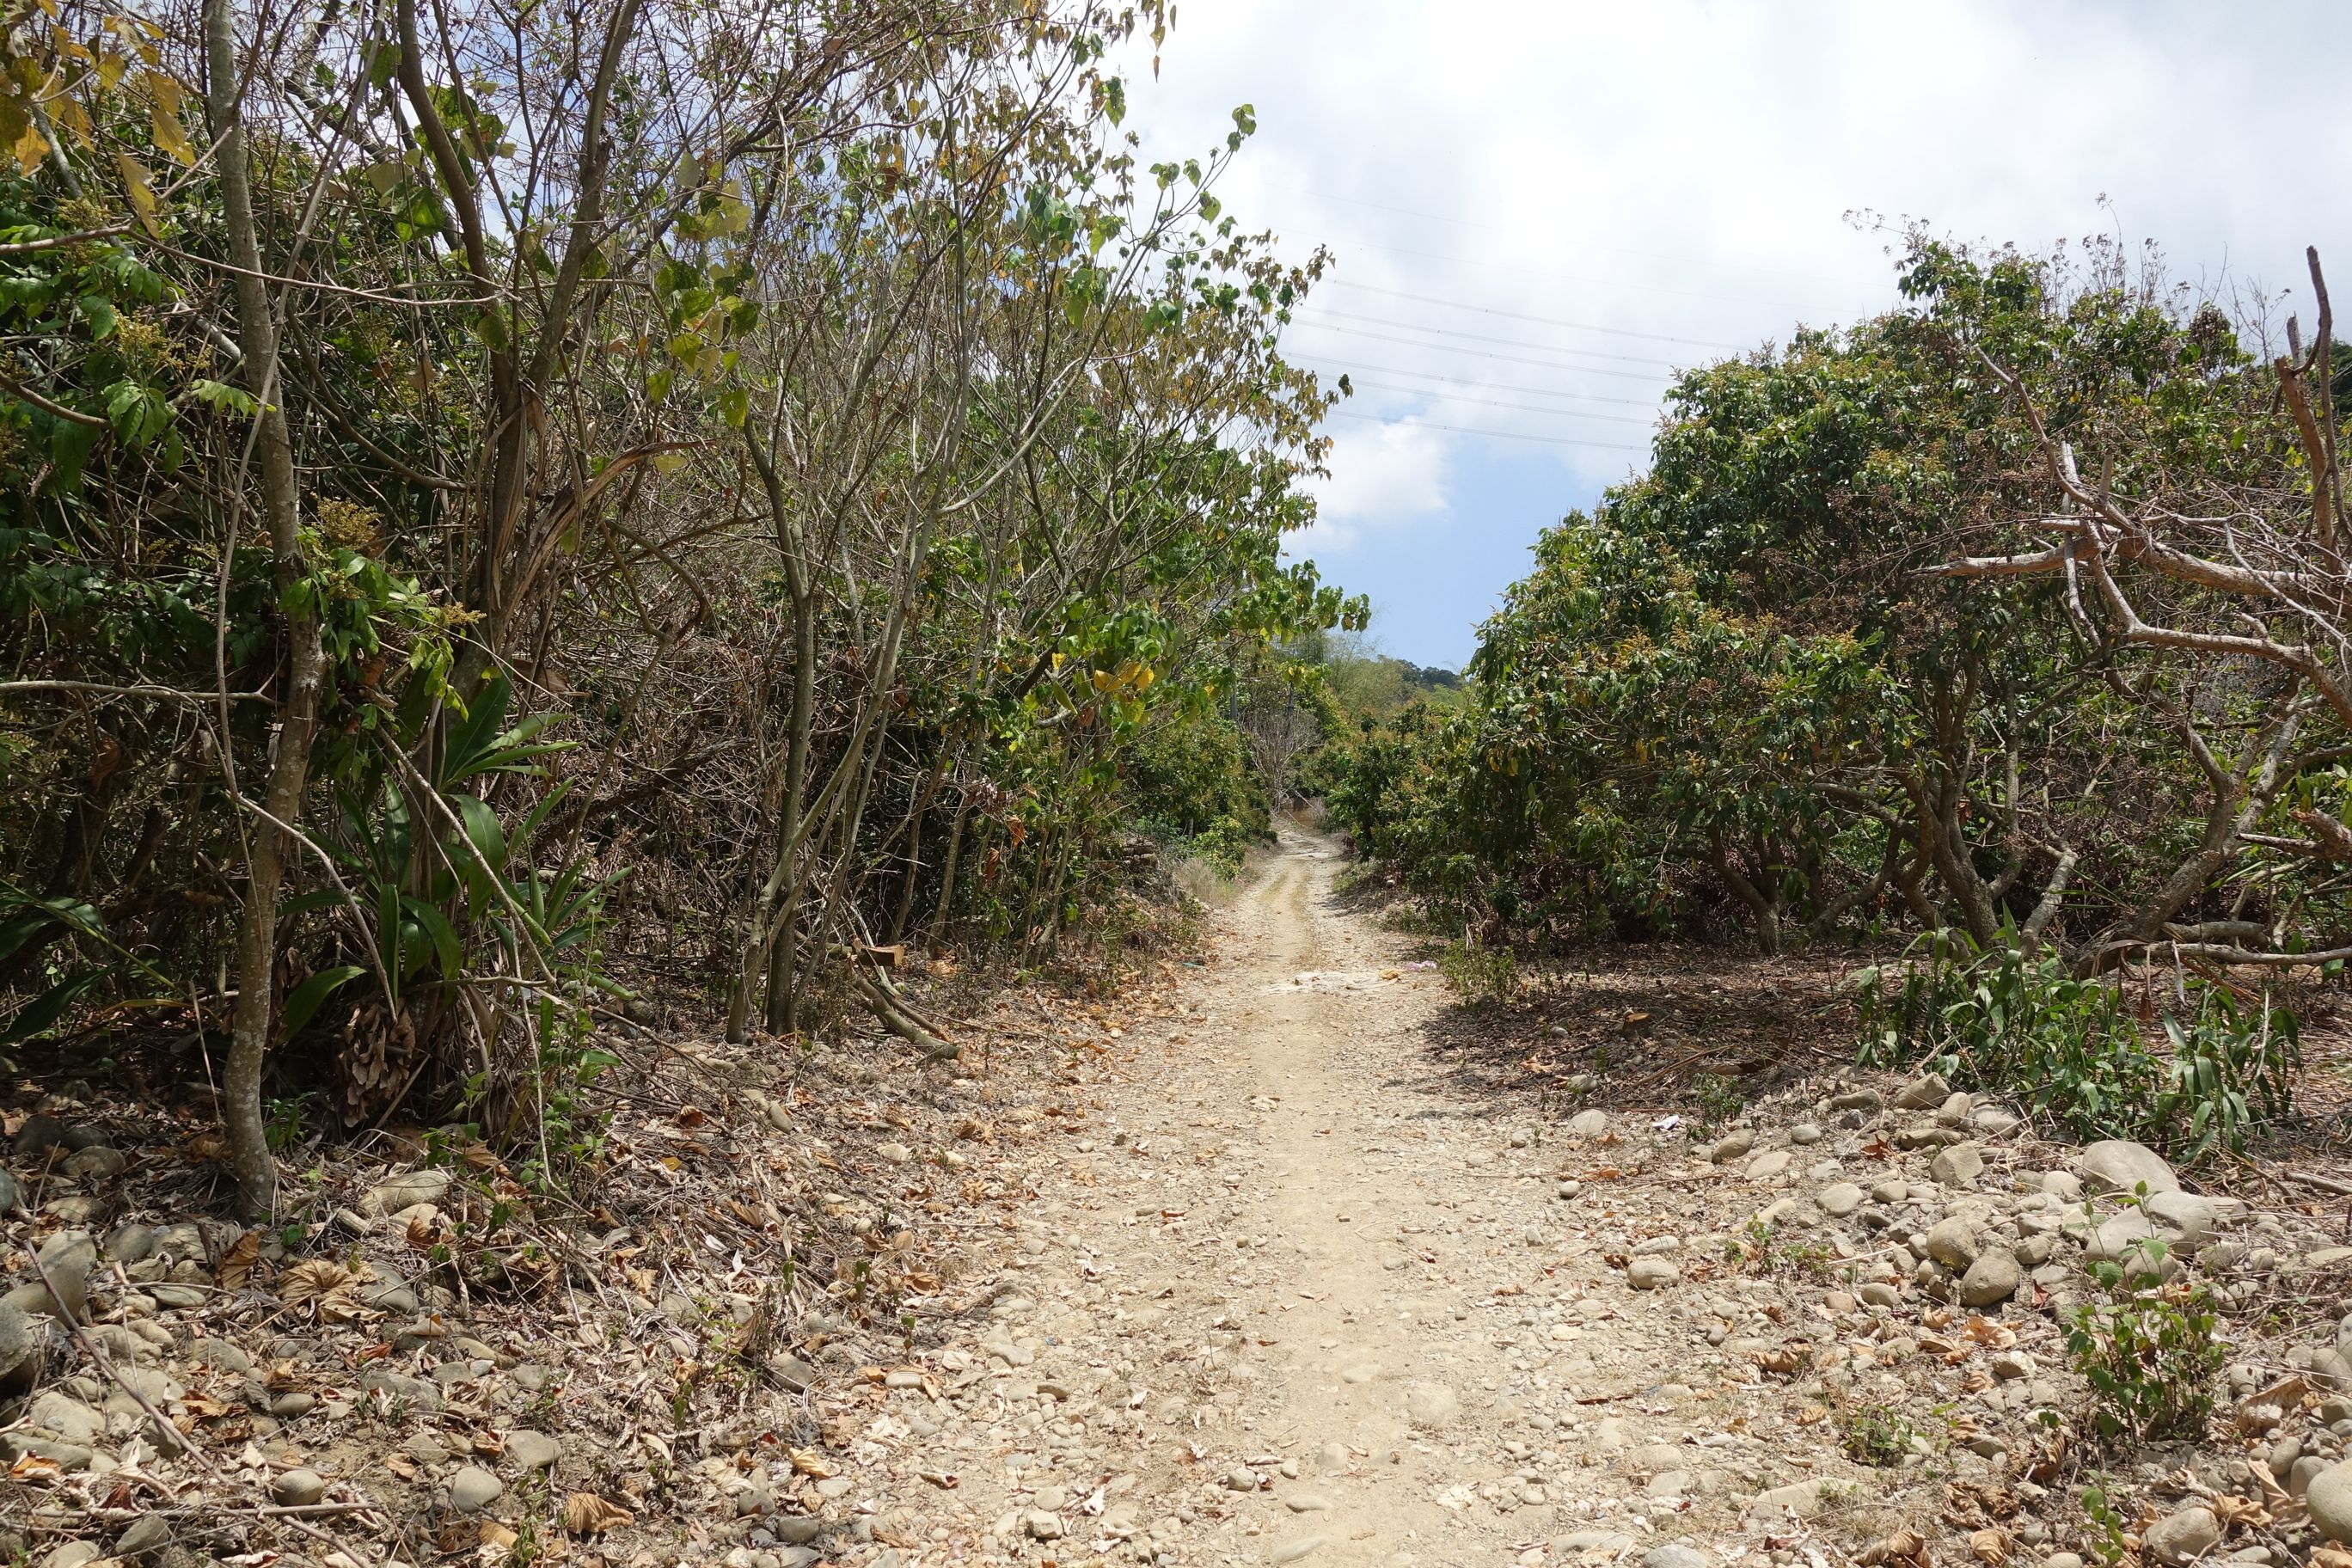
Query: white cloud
(1382,476)
(1682,169)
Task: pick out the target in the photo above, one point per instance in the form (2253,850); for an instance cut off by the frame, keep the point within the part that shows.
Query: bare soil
(1271,1259)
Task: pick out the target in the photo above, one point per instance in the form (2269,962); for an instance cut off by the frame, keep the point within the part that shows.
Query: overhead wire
(1497,434)
(1480,337)
(1354,367)
(1481,354)
(1518,407)
(1545,321)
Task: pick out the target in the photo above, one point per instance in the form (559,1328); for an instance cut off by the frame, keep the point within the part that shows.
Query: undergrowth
(2149,1352)
(1874,1434)
(2190,1071)
(1481,976)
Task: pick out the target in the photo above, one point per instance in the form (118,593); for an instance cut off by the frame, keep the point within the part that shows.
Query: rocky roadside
(680,1362)
(1233,1274)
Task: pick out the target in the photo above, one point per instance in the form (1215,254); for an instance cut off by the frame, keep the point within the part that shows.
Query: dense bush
(1798,679)
(2076,1052)
(512,507)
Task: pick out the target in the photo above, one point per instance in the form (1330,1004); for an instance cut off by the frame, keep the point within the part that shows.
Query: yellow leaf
(69,112)
(140,189)
(30,149)
(309,1279)
(170,137)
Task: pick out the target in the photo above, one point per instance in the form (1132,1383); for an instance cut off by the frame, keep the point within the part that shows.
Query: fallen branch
(886,1008)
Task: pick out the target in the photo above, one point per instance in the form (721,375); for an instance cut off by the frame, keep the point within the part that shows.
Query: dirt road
(1307,1300)
(1251,1269)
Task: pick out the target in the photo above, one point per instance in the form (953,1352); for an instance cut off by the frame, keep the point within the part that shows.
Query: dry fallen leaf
(238,1263)
(330,1290)
(810,1463)
(2233,1512)
(585,1513)
(1812,1416)
(1991,1547)
(1904,1549)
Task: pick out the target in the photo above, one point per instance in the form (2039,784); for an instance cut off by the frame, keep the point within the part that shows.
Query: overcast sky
(1540,209)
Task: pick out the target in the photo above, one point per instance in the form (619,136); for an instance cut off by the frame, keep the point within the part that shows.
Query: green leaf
(100,313)
(36,1016)
(476,731)
(382,60)
(324,899)
(304,1001)
(447,949)
(36,915)
(220,394)
(137,412)
(482,829)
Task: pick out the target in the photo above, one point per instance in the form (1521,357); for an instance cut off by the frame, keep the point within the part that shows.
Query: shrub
(2022,1024)
(2149,1352)
(1719,1097)
(1481,976)
(1874,1434)
(1764,1252)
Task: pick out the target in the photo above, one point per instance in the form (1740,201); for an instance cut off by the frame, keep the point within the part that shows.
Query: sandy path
(1337,1251)
(1288,1288)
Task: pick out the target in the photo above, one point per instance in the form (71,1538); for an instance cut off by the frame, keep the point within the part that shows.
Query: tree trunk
(947,877)
(1766,910)
(252,1020)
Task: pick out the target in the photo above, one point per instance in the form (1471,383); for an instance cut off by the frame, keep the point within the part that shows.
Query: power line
(1497,434)
(1512,343)
(1520,407)
(1612,249)
(1781,306)
(1354,367)
(1481,354)
(1547,321)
